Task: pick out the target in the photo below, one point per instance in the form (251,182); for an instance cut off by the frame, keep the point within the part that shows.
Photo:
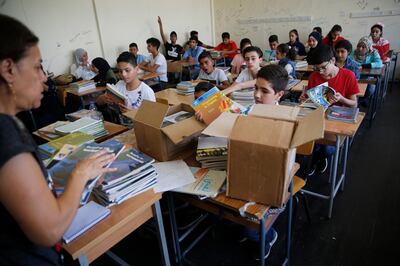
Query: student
(192,56)
(273,44)
(195,33)
(81,68)
(379,43)
(238,61)
(133,49)
(130,85)
(157,63)
(343,82)
(208,72)
(367,57)
(286,59)
(295,43)
(228,48)
(247,78)
(314,41)
(333,36)
(104,72)
(33,219)
(343,51)
(173,50)
(318,29)
(201,88)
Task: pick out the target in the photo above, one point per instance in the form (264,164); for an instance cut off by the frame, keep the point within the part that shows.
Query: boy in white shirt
(208,72)
(135,90)
(157,62)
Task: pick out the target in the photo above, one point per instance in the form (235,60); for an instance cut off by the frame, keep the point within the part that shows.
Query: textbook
(86,217)
(83,85)
(48,131)
(212,152)
(185,87)
(176,117)
(208,182)
(320,95)
(212,103)
(342,113)
(292,83)
(86,125)
(63,169)
(116,95)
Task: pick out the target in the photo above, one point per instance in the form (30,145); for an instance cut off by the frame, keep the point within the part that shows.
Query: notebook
(86,217)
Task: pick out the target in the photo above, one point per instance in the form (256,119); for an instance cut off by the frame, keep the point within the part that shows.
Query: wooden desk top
(173,97)
(80,94)
(342,128)
(308,68)
(124,219)
(148,75)
(375,72)
(113,129)
(303,83)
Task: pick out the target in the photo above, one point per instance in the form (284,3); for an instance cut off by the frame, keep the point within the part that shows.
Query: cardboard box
(262,149)
(164,143)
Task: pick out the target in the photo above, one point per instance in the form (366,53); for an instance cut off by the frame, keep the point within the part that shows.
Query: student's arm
(164,39)
(24,193)
(376,61)
(152,68)
(207,46)
(223,85)
(236,86)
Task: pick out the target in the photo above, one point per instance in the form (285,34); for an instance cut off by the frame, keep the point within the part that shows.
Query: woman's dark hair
(243,42)
(253,49)
(290,52)
(295,32)
(127,57)
(318,29)
(154,42)
(102,65)
(344,44)
(276,75)
(16,39)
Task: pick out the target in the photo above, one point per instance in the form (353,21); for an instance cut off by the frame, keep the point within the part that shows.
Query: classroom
(220,132)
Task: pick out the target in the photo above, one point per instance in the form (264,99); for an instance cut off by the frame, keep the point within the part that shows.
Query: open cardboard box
(165,143)
(262,149)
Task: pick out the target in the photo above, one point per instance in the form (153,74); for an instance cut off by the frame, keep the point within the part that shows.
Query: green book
(76,138)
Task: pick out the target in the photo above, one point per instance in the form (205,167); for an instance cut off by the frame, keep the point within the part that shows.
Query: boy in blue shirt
(133,49)
(192,56)
(343,50)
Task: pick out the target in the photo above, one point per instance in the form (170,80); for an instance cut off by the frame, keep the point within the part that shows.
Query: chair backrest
(305,149)
(174,67)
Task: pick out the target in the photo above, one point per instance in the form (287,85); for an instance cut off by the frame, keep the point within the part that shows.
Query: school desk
(341,133)
(113,130)
(299,87)
(257,216)
(173,97)
(123,220)
(393,58)
(148,75)
(85,94)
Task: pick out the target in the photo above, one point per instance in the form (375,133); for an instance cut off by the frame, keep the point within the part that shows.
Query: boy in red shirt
(228,47)
(345,84)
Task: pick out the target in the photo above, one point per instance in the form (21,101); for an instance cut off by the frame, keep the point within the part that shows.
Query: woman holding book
(32,219)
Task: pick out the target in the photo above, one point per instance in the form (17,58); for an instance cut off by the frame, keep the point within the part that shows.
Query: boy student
(157,63)
(129,85)
(194,33)
(273,44)
(343,50)
(133,49)
(192,56)
(238,61)
(247,78)
(209,72)
(228,48)
(172,49)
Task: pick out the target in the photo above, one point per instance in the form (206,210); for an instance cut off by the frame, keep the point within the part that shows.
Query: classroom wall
(105,28)
(257,19)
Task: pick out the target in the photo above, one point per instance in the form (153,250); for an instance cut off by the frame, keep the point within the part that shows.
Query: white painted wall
(324,13)
(105,28)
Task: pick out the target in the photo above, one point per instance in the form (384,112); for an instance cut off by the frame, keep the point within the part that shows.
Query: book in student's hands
(321,94)
(86,217)
(117,96)
(342,113)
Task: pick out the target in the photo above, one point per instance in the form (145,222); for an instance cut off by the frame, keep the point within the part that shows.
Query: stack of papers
(86,125)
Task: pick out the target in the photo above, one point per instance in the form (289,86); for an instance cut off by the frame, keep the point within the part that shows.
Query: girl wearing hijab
(81,68)
(104,72)
(314,41)
(379,43)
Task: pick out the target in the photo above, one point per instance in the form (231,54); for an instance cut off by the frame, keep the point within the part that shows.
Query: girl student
(378,42)
(104,72)
(286,57)
(294,42)
(333,36)
(81,68)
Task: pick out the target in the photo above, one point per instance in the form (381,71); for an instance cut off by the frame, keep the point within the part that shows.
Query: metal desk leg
(345,155)
(83,260)
(375,98)
(161,233)
(394,71)
(174,228)
(262,240)
(334,175)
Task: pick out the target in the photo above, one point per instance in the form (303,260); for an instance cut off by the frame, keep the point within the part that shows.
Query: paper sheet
(171,175)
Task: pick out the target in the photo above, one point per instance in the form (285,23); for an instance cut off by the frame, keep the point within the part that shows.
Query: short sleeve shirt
(218,75)
(173,52)
(143,92)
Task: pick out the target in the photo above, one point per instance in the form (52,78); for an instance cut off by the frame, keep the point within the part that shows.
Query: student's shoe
(322,165)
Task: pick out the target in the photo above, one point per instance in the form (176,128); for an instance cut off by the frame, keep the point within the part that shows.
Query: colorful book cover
(321,94)
(76,139)
(342,113)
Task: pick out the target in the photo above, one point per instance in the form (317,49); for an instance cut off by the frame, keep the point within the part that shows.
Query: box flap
(266,132)
(222,126)
(183,129)
(131,114)
(310,127)
(151,113)
(280,112)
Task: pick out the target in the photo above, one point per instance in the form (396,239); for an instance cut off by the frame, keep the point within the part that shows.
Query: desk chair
(174,70)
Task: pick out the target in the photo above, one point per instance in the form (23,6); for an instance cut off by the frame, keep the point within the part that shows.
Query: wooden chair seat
(298,183)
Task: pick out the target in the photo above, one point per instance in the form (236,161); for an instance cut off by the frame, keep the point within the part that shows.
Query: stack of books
(86,125)
(342,113)
(301,64)
(244,97)
(212,152)
(135,174)
(185,88)
(83,85)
